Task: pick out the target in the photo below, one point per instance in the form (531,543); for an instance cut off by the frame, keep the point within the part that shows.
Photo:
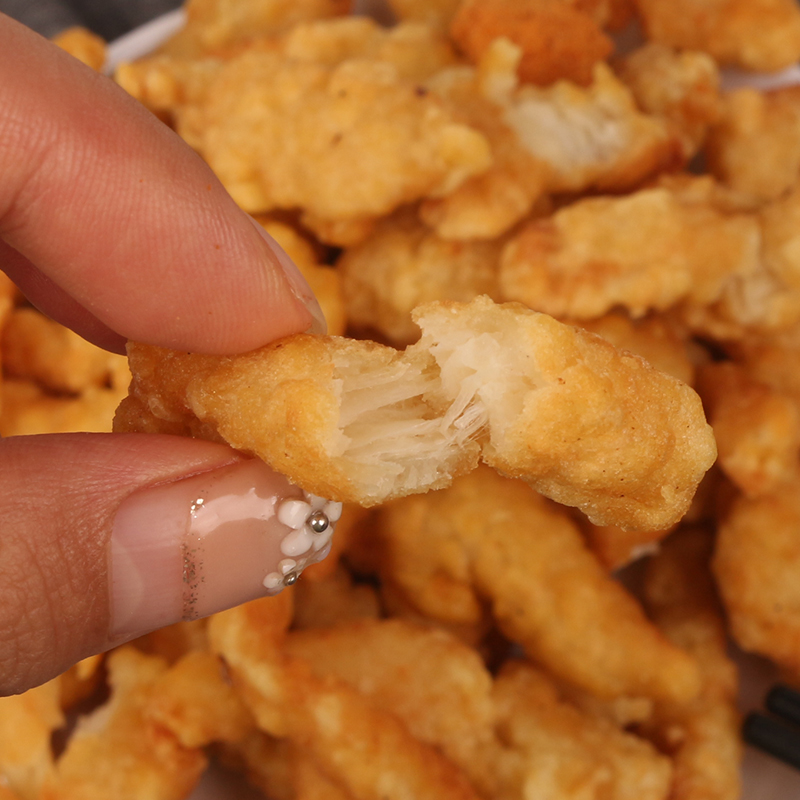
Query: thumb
(134,533)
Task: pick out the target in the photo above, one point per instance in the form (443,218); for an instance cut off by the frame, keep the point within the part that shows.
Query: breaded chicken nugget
(347,143)
(558,41)
(83,45)
(527,559)
(644,251)
(212,25)
(562,750)
(755,34)
(703,736)
(755,146)
(404,264)
(118,751)
(757,429)
(680,87)
(357,421)
(756,564)
(353,742)
(563,138)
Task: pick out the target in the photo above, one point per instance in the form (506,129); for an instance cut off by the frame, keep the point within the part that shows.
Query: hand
(111,225)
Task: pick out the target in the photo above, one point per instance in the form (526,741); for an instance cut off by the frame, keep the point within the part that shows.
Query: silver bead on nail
(290,579)
(318,522)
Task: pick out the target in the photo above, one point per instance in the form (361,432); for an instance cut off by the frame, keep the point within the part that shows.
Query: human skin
(115,228)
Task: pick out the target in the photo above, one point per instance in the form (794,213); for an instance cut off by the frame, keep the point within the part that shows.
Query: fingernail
(297,283)
(187,549)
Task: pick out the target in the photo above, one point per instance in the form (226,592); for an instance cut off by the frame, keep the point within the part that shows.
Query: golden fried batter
(756,565)
(357,421)
(527,559)
(647,250)
(402,265)
(83,45)
(702,736)
(754,34)
(558,41)
(755,146)
(680,87)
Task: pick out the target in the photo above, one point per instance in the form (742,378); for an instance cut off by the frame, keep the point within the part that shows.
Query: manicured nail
(187,549)
(297,283)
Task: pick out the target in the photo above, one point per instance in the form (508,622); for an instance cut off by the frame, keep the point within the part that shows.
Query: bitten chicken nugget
(527,559)
(118,751)
(702,736)
(375,140)
(354,743)
(403,264)
(756,563)
(558,41)
(680,87)
(755,146)
(644,251)
(757,429)
(562,138)
(360,422)
(754,34)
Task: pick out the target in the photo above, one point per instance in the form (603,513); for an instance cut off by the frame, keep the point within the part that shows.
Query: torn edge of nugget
(583,423)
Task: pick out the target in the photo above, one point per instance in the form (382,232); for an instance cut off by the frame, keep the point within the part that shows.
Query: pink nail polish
(190,548)
(297,283)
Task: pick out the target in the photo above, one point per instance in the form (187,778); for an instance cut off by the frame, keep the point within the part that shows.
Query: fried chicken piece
(558,41)
(84,45)
(757,429)
(563,138)
(404,264)
(616,548)
(27,723)
(703,736)
(755,146)
(681,87)
(119,751)
(505,734)
(761,35)
(357,421)
(436,13)
(644,251)
(213,25)
(354,743)
(765,302)
(57,358)
(375,140)
(558,747)
(756,564)
(526,558)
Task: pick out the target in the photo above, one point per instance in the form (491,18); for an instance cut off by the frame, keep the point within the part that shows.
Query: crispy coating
(754,34)
(680,87)
(504,734)
(757,429)
(402,265)
(755,146)
(755,564)
(562,750)
(83,45)
(352,741)
(534,398)
(41,350)
(214,25)
(558,41)
(527,559)
(119,751)
(647,250)
(702,737)
(562,138)
(27,723)
(375,139)
(616,547)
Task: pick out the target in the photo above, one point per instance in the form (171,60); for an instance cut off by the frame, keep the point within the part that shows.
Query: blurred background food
(580,157)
